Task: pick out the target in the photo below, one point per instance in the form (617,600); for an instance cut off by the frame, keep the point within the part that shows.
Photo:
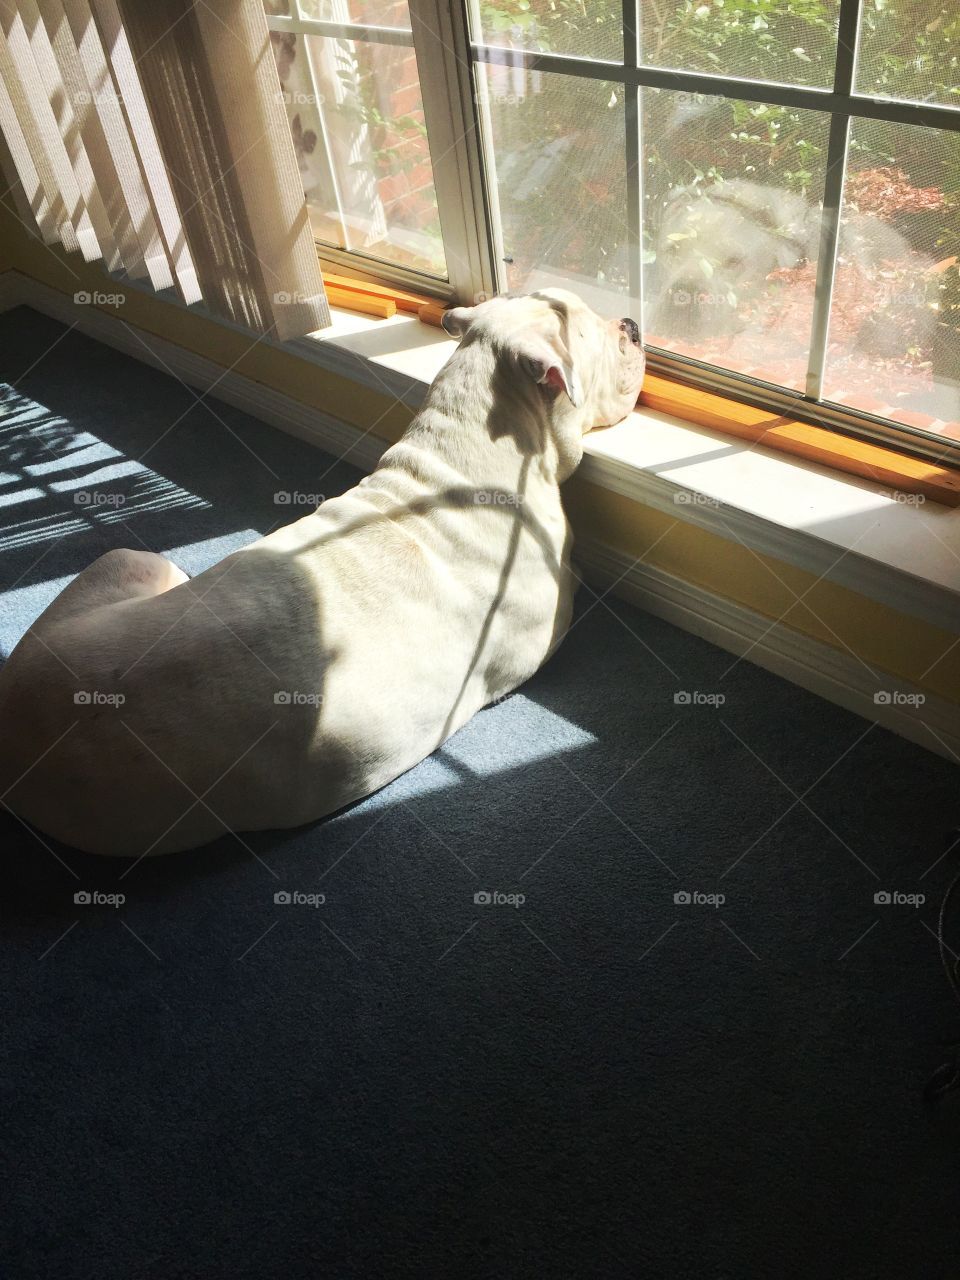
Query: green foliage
(908,50)
(911,49)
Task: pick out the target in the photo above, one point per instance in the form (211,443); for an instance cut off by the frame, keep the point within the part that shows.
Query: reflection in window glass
(732,194)
(356,118)
(894,343)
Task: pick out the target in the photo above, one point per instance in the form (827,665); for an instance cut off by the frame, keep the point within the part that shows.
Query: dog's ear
(456,321)
(552,368)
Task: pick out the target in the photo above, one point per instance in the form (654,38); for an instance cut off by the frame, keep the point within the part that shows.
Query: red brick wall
(407,193)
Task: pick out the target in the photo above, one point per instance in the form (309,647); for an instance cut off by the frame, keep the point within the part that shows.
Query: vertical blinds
(152,134)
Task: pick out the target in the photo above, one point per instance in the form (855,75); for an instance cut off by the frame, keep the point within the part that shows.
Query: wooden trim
(353,300)
(381,300)
(432,313)
(873,462)
(403,300)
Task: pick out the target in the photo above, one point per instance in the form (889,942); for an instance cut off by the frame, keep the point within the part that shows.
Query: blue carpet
(406,1082)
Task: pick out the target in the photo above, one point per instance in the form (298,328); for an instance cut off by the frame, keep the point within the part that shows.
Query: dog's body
(145,713)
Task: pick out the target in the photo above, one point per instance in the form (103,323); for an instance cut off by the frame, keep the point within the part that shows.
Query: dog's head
(586,371)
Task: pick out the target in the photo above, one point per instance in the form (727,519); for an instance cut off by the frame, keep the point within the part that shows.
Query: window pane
(373,13)
(910,49)
(357,122)
(894,343)
(794,43)
(581,28)
(732,195)
(560,161)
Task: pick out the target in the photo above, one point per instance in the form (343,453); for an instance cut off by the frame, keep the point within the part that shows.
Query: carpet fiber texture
(600,1080)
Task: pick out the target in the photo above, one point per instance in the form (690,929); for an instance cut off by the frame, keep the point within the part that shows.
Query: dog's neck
(474,407)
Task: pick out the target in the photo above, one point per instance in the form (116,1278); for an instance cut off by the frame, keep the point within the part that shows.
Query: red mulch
(886,192)
(886,303)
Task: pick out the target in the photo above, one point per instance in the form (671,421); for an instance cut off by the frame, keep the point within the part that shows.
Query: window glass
(910,49)
(356,118)
(577,28)
(732,198)
(894,345)
(793,43)
(560,160)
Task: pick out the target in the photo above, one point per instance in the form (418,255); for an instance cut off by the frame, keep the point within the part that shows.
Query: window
(773,185)
(348,72)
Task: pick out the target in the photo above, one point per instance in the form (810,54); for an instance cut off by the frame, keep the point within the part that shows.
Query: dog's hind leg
(117,575)
(39,688)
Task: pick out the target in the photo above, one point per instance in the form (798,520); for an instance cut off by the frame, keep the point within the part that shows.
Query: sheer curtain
(152,134)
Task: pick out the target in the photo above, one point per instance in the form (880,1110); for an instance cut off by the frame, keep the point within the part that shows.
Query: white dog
(145,713)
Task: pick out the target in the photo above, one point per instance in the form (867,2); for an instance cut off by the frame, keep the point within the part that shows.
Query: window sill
(903,554)
(891,546)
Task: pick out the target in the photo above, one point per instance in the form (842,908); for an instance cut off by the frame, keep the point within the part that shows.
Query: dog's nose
(632,329)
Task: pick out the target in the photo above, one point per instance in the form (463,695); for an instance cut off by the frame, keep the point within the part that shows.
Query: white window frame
(459,136)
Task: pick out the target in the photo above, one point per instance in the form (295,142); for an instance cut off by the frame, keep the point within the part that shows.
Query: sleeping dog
(146,713)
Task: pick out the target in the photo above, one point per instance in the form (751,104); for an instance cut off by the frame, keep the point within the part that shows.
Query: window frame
(460,141)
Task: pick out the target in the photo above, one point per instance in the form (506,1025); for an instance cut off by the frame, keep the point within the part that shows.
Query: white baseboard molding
(830,673)
(361,449)
(838,677)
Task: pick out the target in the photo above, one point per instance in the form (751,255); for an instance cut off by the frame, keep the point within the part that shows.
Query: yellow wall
(841,618)
(902,646)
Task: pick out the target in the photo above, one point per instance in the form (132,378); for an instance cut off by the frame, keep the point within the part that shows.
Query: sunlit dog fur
(314,666)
